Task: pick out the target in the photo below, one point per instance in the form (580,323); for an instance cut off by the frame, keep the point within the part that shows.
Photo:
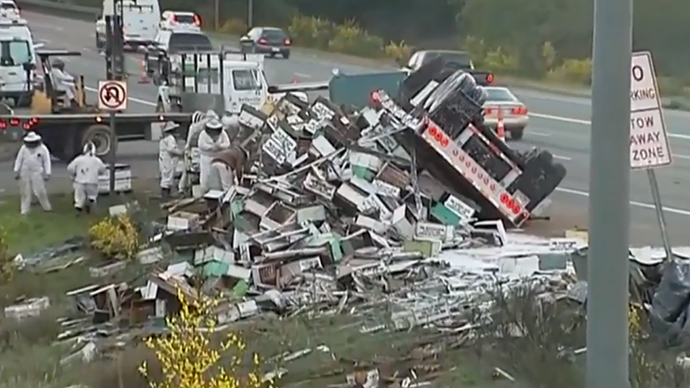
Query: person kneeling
(229,165)
(84,170)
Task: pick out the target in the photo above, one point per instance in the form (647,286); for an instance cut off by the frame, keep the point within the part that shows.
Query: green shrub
(500,61)
(573,71)
(234,27)
(310,31)
(669,87)
(477,50)
(399,52)
(548,54)
(349,38)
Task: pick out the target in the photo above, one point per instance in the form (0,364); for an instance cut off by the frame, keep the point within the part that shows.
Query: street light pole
(250,13)
(609,201)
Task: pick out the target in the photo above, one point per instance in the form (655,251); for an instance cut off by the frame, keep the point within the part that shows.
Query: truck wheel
(100,136)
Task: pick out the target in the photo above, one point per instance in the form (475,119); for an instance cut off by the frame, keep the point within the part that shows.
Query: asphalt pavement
(558,123)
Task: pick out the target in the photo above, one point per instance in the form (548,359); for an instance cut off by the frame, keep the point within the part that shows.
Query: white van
(140,24)
(17,55)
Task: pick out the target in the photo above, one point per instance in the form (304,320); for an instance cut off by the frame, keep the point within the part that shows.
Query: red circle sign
(112,94)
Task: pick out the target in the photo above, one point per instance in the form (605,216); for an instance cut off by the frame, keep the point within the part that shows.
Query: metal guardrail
(59,8)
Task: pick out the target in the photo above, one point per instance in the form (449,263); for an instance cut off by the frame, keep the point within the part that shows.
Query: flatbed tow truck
(66,126)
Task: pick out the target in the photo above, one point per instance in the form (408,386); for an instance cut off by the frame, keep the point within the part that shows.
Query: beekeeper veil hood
(89,149)
(32,140)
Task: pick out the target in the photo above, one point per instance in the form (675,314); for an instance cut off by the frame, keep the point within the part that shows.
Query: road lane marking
(538,134)
(560,157)
(586,122)
(133,99)
(649,206)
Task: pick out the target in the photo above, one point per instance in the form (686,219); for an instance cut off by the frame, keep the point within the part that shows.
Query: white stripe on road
(586,122)
(680,212)
(132,99)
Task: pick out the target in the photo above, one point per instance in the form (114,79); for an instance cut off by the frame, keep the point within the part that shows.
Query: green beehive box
(444,215)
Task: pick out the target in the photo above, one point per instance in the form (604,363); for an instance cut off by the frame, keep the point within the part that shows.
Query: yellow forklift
(46,99)
(66,126)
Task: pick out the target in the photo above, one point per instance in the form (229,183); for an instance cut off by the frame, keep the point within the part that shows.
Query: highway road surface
(557,123)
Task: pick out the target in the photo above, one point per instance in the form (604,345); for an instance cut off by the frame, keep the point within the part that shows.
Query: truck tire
(100,136)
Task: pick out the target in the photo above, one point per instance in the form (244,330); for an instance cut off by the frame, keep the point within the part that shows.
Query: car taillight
(519,110)
(487,111)
(490,78)
(263,41)
(197,20)
(288,42)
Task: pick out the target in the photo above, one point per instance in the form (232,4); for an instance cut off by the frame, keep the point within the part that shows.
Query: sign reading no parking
(649,147)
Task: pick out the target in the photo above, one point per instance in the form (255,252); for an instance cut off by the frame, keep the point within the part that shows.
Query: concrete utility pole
(609,201)
(250,13)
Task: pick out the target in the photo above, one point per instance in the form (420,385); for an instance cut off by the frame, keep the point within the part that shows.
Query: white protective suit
(33,167)
(85,170)
(197,126)
(169,154)
(208,147)
(63,82)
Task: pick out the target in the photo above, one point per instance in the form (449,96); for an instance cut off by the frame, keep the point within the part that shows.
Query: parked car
(501,101)
(266,40)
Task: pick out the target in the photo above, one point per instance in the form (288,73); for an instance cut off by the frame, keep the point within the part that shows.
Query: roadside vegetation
(524,40)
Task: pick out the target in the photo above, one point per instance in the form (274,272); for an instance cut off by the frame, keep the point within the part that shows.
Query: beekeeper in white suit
(212,140)
(32,168)
(169,154)
(85,170)
(199,120)
(63,81)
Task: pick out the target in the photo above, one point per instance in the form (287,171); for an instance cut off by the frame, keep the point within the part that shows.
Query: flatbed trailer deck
(66,133)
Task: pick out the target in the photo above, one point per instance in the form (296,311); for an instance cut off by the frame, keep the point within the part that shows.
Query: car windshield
(245,80)
(189,42)
(184,19)
(461,58)
(8,6)
(273,34)
(499,95)
(14,52)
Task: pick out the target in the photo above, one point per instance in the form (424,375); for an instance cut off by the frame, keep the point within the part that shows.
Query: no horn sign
(649,147)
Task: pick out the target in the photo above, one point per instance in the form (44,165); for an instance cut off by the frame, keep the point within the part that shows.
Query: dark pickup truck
(457,60)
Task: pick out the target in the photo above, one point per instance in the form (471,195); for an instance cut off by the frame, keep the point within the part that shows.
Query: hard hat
(32,137)
(214,124)
(170,126)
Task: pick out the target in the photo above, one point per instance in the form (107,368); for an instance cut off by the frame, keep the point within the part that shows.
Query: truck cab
(236,78)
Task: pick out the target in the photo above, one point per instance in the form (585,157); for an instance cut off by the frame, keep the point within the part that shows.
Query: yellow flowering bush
(350,38)
(7,268)
(189,359)
(310,31)
(115,237)
(399,52)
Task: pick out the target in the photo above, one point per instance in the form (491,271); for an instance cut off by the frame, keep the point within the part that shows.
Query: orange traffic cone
(500,127)
(144,79)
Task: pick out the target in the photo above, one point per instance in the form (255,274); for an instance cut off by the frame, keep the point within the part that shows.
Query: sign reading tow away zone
(649,147)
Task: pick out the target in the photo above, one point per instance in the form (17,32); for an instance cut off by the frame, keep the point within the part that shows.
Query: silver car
(502,102)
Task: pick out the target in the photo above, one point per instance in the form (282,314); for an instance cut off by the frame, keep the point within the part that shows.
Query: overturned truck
(425,148)
(442,112)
